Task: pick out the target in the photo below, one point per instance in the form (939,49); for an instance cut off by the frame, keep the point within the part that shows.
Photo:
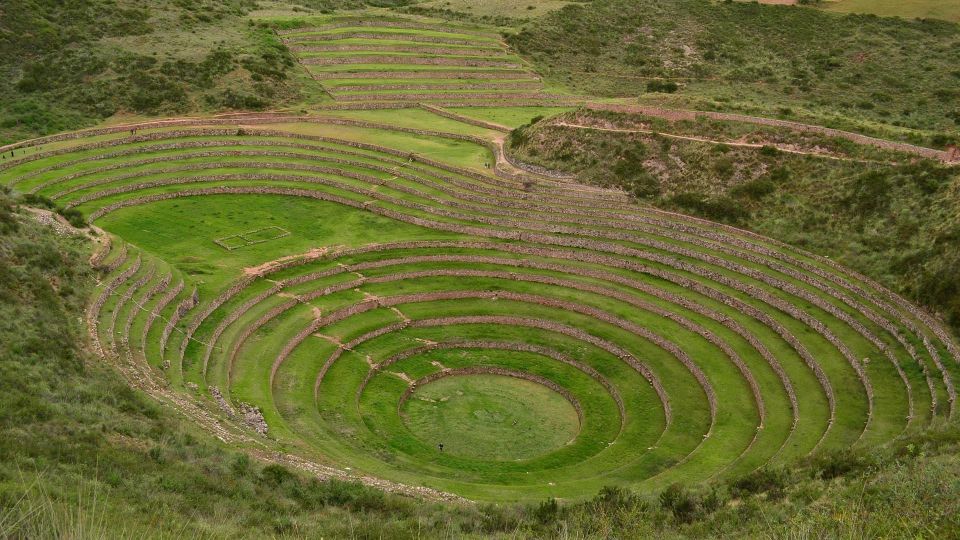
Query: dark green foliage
(8,220)
(723,209)
(680,502)
(764,480)
(32,199)
(518,137)
(779,174)
(231,99)
(754,189)
(74,216)
(546,511)
(667,87)
(870,193)
(837,464)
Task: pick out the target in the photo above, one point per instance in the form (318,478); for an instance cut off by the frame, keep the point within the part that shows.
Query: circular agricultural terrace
(555,338)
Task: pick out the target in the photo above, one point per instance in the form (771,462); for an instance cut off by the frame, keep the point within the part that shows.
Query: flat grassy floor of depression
(491,417)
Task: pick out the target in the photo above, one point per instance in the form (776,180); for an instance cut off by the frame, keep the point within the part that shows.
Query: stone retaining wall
(182,309)
(410,60)
(430,96)
(445,86)
(417,38)
(375,23)
(419,49)
(162,285)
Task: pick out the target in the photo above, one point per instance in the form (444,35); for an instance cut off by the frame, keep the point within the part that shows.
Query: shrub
(754,189)
(760,481)
(8,218)
(74,216)
(839,463)
(32,199)
(546,511)
(724,167)
(718,209)
(615,497)
(667,87)
(680,502)
(274,475)
(779,174)
(870,193)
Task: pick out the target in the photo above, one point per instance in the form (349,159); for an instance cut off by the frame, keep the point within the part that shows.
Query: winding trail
(685,114)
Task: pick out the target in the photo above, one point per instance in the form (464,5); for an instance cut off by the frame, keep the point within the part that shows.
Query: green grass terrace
(356,293)
(381,59)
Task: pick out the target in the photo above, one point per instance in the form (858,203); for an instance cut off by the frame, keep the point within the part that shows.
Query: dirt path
(310,255)
(714,141)
(682,114)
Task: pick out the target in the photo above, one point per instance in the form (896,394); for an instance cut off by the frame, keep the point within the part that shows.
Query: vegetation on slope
(895,219)
(68,66)
(908,9)
(853,71)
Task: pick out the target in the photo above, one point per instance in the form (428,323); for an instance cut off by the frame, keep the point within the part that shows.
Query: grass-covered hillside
(856,71)
(887,214)
(67,65)
(908,9)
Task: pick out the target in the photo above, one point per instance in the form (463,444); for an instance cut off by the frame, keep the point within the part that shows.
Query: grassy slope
(908,9)
(898,223)
(859,72)
(67,67)
(497,8)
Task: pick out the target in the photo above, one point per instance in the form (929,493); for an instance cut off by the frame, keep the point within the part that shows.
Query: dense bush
(754,189)
(667,87)
(723,209)
(764,480)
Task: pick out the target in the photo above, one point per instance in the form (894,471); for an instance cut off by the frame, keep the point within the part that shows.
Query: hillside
(856,72)
(65,67)
(390,269)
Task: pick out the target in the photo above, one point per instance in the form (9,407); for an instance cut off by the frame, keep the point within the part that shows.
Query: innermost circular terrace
(491,416)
